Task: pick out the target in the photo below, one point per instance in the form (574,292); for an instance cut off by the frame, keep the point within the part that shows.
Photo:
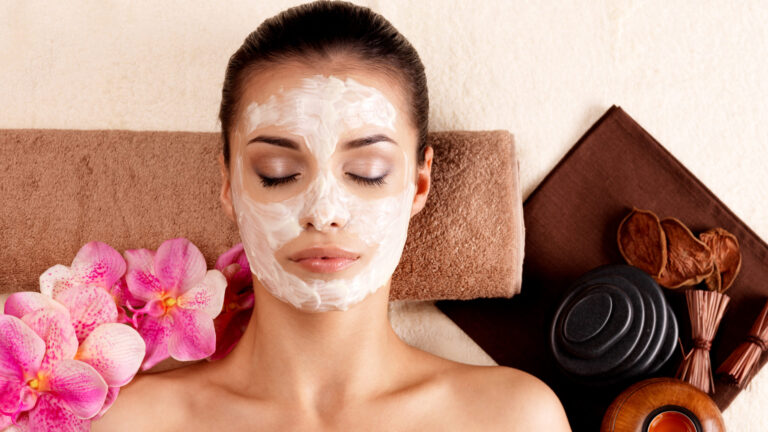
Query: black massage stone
(654,332)
(598,317)
(613,324)
(670,343)
(605,350)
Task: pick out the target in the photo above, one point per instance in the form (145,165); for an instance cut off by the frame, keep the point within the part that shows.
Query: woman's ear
(225,196)
(423,181)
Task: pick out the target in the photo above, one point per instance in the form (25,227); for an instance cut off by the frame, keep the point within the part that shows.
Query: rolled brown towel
(60,189)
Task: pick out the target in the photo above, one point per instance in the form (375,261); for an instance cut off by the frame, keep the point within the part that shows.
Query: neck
(317,361)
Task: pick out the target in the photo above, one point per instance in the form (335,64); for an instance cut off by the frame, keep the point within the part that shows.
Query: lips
(324,252)
(324,259)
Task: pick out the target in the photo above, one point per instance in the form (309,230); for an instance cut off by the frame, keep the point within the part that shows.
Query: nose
(324,217)
(325,207)
(319,225)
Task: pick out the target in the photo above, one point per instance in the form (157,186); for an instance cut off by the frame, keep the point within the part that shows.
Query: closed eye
(276,181)
(378,181)
(365,181)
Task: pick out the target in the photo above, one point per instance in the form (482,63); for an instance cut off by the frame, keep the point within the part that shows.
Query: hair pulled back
(318,31)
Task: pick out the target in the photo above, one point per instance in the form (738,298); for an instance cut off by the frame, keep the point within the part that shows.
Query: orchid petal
(111,397)
(179,265)
(21,349)
(221,322)
(10,396)
(229,256)
(245,300)
(56,330)
(79,386)
(55,279)
(243,277)
(229,332)
(192,336)
(140,259)
(207,296)
(235,308)
(155,308)
(28,398)
(16,397)
(140,277)
(122,294)
(115,351)
(144,286)
(123,298)
(98,264)
(122,316)
(52,414)
(21,303)
(5,421)
(89,307)
(155,331)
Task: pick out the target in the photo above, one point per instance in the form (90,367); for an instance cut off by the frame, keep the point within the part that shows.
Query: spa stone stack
(613,325)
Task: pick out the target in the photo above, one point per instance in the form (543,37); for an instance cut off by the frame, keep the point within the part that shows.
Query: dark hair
(317,31)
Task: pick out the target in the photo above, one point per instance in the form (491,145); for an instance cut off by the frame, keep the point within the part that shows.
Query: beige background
(693,73)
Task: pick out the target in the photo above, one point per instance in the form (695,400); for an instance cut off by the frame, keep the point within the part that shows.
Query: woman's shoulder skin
(149,402)
(458,397)
(510,399)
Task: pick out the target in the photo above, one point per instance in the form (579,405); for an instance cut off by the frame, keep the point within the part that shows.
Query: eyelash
(276,181)
(378,181)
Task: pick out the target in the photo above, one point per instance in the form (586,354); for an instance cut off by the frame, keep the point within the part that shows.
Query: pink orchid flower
(40,381)
(238,301)
(87,307)
(242,278)
(99,267)
(182,298)
(115,351)
(6,423)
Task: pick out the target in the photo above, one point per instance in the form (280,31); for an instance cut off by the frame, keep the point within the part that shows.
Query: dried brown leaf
(714,280)
(689,260)
(727,256)
(641,241)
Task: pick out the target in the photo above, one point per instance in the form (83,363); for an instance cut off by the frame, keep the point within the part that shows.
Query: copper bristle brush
(739,367)
(706,309)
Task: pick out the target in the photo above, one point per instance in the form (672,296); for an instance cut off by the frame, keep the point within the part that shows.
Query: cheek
(270,224)
(378,221)
(391,164)
(251,167)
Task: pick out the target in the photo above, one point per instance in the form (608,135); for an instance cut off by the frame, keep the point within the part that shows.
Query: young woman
(324,123)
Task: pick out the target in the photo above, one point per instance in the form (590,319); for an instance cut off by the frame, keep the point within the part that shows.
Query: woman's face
(323,173)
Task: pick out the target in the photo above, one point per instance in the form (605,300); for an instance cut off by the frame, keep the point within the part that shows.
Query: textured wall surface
(691,73)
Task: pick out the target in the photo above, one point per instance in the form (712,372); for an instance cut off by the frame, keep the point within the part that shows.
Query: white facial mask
(320,110)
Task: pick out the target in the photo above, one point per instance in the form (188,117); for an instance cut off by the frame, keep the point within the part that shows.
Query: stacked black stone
(614,324)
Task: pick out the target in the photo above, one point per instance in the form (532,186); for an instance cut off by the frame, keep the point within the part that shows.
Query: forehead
(271,85)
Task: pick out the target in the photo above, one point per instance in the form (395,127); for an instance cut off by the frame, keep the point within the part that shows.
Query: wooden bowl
(662,405)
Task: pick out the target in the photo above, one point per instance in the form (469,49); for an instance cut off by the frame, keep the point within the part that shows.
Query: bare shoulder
(511,399)
(148,402)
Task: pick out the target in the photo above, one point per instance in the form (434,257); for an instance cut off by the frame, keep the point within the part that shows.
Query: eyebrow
(355,143)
